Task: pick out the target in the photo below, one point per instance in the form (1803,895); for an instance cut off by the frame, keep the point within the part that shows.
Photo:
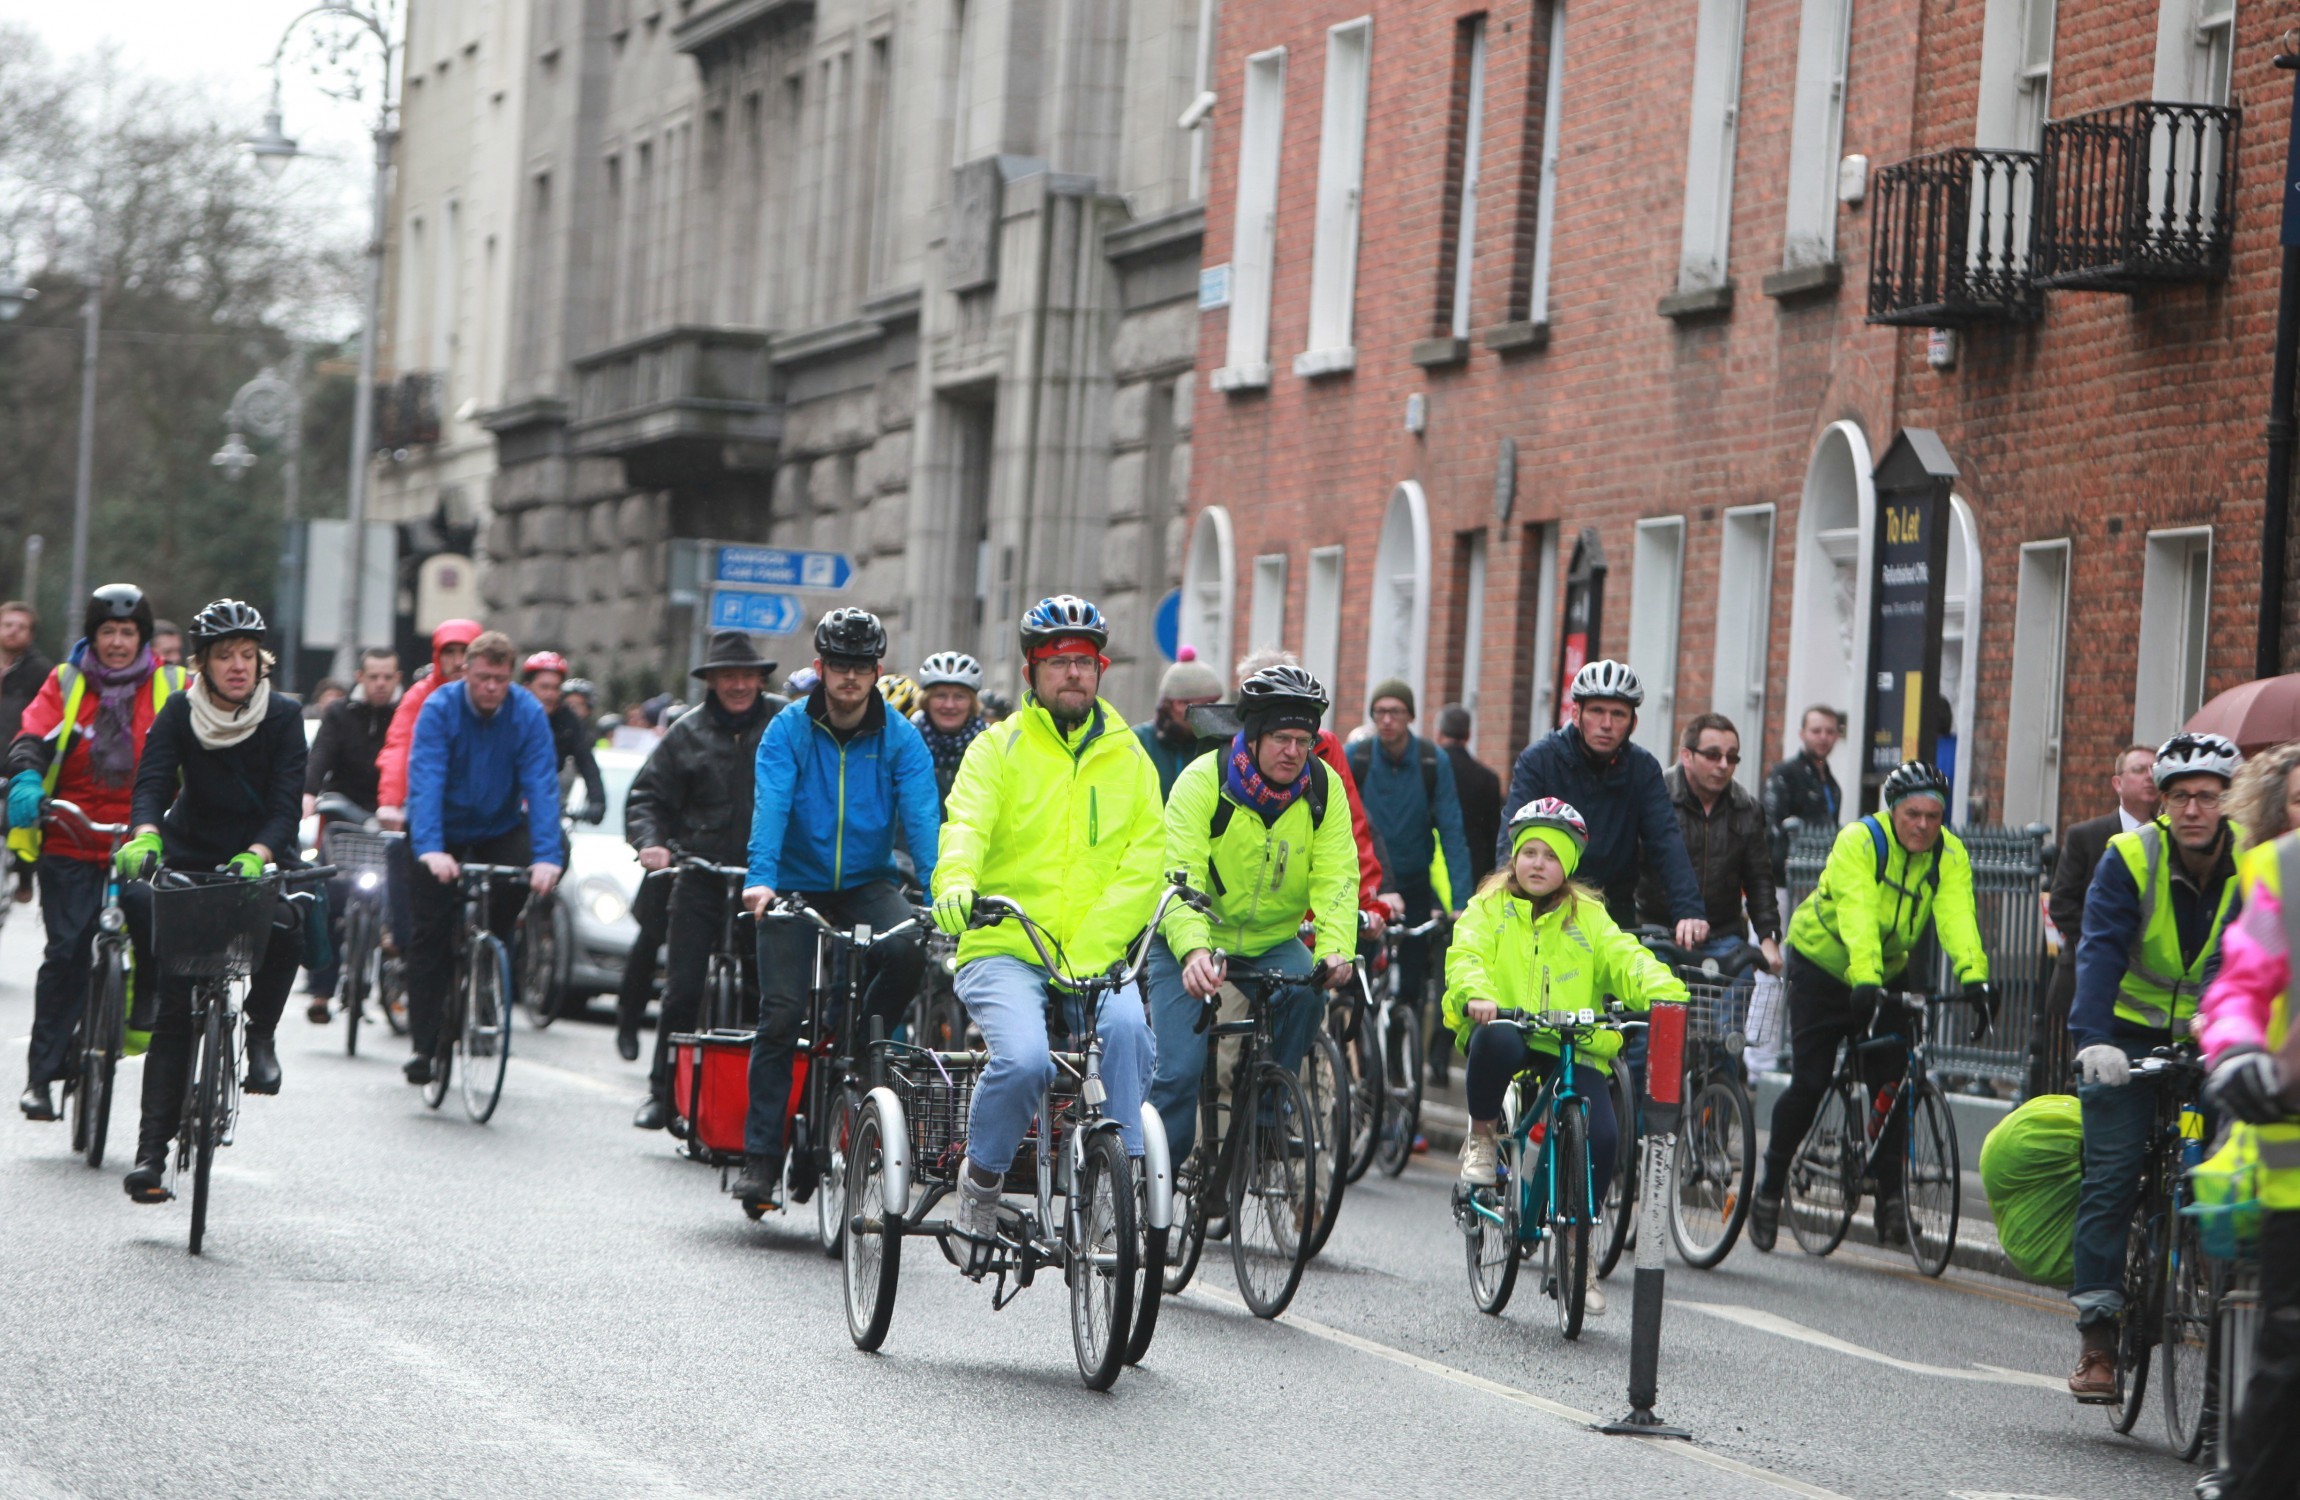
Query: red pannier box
(711,1089)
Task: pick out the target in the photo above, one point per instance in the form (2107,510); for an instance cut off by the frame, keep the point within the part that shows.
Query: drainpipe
(2275,518)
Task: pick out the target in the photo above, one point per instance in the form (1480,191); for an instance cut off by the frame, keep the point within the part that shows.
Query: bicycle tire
(359,951)
(1716,1170)
(391,989)
(1185,1234)
(1273,1192)
(1824,1184)
(1101,1214)
(540,993)
(1366,1092)
(107,1020)
(1932,1189)
(831,1193)
(1149,1279)
(1618,1216)
(2191,1302)
(870,1255)
(1493,1249)
(1322,1071)
(206,1122)
(2136,1337)
(484,1038)
(1569,1217)
(1401,1100)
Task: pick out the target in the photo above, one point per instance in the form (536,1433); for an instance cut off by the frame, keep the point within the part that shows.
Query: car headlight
(604,902)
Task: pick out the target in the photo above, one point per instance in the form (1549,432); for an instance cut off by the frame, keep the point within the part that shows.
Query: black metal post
(2275,520)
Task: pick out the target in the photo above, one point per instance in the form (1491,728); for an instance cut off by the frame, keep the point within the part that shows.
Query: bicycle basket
(215,929)
(1712,1011)
(937,1100)
(2225,1193)
(357,851)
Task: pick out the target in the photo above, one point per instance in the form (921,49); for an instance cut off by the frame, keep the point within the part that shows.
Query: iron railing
(2136,195)
(407,410)
(1954,240)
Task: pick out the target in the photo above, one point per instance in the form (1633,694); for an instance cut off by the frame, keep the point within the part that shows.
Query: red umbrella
(2257,715)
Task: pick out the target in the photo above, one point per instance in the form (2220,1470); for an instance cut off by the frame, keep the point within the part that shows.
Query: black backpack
(1362,765)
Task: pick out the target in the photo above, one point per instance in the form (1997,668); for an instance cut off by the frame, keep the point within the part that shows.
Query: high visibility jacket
(1264,878)
(1070,829)
(2158,989)
(54,740)
(1875,898)
(1569,957)
(2275,868)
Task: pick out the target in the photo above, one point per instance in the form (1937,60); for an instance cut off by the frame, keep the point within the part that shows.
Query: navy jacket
(2112,921)
(471,778)
(1626,806)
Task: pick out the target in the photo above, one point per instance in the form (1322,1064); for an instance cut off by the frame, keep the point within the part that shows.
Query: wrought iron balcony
(407,410)
(1954,240)
(2137,195)
(678,400)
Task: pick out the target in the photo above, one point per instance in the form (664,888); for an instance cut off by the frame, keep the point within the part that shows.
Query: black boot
(38,1102)
(1892,1221)
(653,1115)
(263,1066)
(1764,1220)
(760,1188)
(147,1182)
(627,1041)
(417,1069)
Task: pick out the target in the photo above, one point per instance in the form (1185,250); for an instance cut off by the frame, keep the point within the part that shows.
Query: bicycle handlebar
(794,905)
(73,819)
(696,862)
(1401,930)
(1743,958)
(989,911)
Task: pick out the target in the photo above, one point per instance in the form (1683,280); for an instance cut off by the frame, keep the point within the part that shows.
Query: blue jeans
(2118,1121)
(1174,1014)
(1007,1000)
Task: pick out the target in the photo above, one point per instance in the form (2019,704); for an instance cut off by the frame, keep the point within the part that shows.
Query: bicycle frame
(820,1042)
(1548,1103)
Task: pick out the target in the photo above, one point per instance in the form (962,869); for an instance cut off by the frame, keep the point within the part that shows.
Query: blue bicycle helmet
(1063,615)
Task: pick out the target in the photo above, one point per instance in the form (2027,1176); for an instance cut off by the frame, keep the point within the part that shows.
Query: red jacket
(391,761)
(35,747)
(1369,864)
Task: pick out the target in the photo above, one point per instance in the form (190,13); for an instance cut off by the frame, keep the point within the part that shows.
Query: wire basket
(938,1100)
(1713,1012)
(216,929)
(354,850)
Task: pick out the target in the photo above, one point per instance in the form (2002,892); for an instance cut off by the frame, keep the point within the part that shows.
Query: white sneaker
(977,1214)
(1593,1301)
(1480,1161)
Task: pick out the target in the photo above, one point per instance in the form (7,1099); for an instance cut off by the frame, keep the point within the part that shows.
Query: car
(592,928)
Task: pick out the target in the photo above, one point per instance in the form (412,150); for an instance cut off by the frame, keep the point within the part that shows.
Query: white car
(593,928)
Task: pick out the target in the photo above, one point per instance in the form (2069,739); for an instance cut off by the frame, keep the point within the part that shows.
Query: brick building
(1654,287)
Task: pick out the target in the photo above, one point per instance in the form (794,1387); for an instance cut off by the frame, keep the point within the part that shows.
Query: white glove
(2103,1063)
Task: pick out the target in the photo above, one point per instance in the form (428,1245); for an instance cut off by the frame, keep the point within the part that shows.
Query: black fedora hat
(731,648)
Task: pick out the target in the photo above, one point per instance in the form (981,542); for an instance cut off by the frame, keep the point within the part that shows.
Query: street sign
(1166,624)
(760,614)
(776,567)
(1908,593)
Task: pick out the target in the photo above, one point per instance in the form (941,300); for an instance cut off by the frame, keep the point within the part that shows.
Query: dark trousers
(1413,952)
(652,911)
(438,912)
(786,974)
(71,894)
(1498,1053)
(698,909)
(1822,1015)
(2264,1446)
(168,1061)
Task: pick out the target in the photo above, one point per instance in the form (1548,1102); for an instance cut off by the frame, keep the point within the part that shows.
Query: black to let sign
(1907,590)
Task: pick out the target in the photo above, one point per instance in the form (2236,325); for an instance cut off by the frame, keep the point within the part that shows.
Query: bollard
(1665,1087)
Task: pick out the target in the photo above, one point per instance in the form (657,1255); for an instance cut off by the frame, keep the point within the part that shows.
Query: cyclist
(220,785)
(950,716)
(834,774)
(1169,736)
(2152,922)
(448,644)
(1535,940)
(900,693)
(693,796)
(1723,829)
(482,785)
(1888,875)
(1258,828)
(1377,905)
(545,675)
(24,667)
(79,739)
(342,761)
(1058,810)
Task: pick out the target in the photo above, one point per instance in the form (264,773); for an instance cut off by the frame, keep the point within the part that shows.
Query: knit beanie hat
(1559,841)
(1189,678)
(1392,687)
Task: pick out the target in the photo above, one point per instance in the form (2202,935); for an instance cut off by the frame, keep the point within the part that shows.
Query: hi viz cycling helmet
(900,693)
(1549,812)
(1060,617)
(543,661)
(1914,778)
(225,619)
(850,634)
(951,669)
(1281,697)
(117,601)
(1608,679)
(2196,755)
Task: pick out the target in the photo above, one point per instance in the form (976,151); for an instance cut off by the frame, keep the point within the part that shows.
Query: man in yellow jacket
(1057,810)
(1889,875)
(1263,828)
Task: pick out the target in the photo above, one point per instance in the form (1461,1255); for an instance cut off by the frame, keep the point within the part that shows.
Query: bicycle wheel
(1569,1217)
(1273,1191)
(1489,1235)
(539,987)
(1323,1073)
(1366,1094)
(1716,1163)
(205,1126)
(389,991)
(831,1212)
(483,1041)
(1186,1235)
(1934,1185)
(1824,1176)
(103,1021)
(1149,1276)
(870,1256)
(1618,1216)
(1402,1090)
(2136,1338)
(1100,1262)
(359,958)
(2191,1300)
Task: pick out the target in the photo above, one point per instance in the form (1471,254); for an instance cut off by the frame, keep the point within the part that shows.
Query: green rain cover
(2031,1166)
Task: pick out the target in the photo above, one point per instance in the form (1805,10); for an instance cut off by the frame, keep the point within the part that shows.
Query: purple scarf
(112,747)
(1244,781)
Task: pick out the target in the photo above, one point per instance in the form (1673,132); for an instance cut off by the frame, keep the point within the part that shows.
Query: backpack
(1877,841)
(1362,765)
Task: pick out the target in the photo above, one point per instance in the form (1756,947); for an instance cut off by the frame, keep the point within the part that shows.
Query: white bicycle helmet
(2195,755)
(1608,679)
(951,669)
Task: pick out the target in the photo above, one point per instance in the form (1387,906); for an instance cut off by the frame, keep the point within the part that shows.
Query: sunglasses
(1713,755)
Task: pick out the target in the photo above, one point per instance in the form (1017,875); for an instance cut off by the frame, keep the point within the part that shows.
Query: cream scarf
(218,726)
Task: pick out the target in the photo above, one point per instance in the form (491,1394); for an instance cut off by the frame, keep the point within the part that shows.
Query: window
(1816,133)
(1207,584)
(1466,178)
(1656,578)
(2039,669)
(1744,618)
(1541,590)
(1341,181)
(1472,619)
(1254,233)
(874,164)
(1268,627)
(2193,42)
(1322,622)
(2175,610)
(1701,255)
(1545,202)
(2016,75)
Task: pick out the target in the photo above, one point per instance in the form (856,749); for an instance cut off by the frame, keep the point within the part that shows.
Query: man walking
(2080,850)
(1803,787)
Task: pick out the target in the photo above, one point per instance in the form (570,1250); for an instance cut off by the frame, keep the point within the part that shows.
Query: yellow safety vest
(24,843)
(2157,989)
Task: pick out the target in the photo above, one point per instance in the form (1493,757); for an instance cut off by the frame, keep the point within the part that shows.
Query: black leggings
(1821,1016)
(1498,1053)
(2265,1442)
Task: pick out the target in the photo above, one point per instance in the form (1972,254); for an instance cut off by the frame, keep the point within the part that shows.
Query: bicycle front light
(369,880)
(604,902)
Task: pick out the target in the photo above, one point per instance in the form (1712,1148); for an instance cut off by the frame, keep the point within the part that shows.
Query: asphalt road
(398,1302)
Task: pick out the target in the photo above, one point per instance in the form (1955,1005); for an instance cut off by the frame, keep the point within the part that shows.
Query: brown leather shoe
(2094,1380)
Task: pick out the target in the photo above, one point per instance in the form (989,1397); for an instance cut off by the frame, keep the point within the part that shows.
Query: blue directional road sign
(777,567)
(760,614)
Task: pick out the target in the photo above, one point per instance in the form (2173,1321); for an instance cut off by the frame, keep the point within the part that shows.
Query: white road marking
(1558,1409)
(600,1085)
(1774,1323)
(1999,1495)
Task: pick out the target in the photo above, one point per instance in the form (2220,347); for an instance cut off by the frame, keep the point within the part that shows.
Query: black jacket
(212,804)
(19,685)
(1799,788)
(1479,791)
(343,753)
(571,737)
(1730,859)
(694,792)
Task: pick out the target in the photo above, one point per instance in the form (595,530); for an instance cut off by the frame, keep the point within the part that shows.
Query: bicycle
(1398,1037)
(364,855)
(1350,1022)
(540,941)
(475,1026)
(912,1134)
(1542,1201)
(213,929)
(1265,1177)
(1838,1155)
(100,1037)
(725,1004)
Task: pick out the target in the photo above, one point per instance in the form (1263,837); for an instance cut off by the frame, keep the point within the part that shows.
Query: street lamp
(273,150)
(272,408)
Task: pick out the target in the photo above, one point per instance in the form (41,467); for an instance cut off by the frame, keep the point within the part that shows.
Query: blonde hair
(2255,800)
(1573,891)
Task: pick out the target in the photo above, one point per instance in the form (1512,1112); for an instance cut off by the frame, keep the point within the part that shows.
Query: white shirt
(2127,819)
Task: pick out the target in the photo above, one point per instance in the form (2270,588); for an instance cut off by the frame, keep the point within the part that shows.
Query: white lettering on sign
(1898,574)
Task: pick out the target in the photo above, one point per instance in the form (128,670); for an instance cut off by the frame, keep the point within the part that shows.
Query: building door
(1656,591)
(2039,676)
(1829,612)
(1744,632)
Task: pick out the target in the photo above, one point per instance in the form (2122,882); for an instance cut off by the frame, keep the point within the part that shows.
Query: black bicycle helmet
(1281,697)
(224,619)
(1915,778)
(2196,755)
(117,601)
(1062,615)
(850,634)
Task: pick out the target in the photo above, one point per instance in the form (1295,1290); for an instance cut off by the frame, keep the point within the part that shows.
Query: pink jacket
(2254,969)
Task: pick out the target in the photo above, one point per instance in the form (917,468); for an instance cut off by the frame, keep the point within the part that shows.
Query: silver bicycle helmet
(1608,679)
(1915,778)
(951,669)
(2196,755)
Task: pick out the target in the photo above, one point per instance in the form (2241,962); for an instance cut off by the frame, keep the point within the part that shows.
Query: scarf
(112,747)
(734,723)
(1244,781)
(218,726)
(948,749)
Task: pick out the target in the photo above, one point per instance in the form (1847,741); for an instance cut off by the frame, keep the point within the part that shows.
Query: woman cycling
(220,786)
(1531,940)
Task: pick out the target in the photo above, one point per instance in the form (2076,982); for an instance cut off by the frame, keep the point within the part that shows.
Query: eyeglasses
(1393,711)
(1292,741)
(1713,755)
(2205,801)
(1072,664)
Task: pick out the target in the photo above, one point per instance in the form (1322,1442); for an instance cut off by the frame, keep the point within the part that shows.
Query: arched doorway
(1960,648)
(1209,576)
(1398,614)
(1829,611)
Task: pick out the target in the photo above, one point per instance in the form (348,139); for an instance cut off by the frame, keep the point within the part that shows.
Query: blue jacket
(471,778)
(1626,805)
(823,814)
(1411,830)
(2112,921)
